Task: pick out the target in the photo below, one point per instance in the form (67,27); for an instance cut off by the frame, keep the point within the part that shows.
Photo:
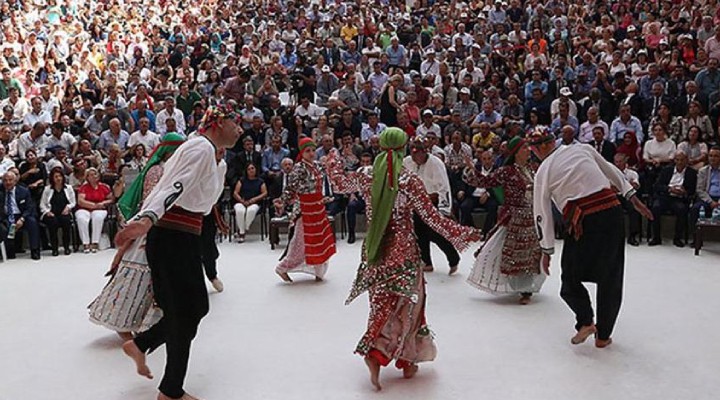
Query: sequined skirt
(126,303)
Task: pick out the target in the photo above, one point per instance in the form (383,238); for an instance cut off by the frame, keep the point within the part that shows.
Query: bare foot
(410,371)
(453,269)
(125,336)
(132,351)
(603,343)
(374,368)
(525,299)
(582,335)
(284,276)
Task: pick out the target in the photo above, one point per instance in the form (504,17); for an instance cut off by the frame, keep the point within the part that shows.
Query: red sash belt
(181,220)
(576,210)
(318,234)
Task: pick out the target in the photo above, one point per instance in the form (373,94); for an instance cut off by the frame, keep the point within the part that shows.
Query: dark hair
(57,170)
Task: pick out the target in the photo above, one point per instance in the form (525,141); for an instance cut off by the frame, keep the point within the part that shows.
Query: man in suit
(680,108)
(607,109)
(330,53)
(604,147)
(674,189)
(471,197)
(240,161)
(633,99)
(651,106)
(708,187)
(19,209)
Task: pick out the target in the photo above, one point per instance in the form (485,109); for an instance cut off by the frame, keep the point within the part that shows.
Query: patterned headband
(214,115)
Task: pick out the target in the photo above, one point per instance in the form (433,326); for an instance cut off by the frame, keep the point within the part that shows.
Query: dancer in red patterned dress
(509,261)
(313,242)
(391,270)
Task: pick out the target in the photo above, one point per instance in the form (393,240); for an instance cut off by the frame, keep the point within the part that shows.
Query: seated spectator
(114,135)
(603,146)
(77,177)
(139,157)
(277,128)
(276,190)
(674,189)
(35,140)
(33,175)
(483,139)
(59,160)
(94,197)
(695,117)
(6,163)
(630,147)
(144,135)
(58,200)
(60,138)
(696,150)
(249,192)
(20,215)
(708,188)
(238,164)
(85,151)
(356,204)
(634,218)
(110,166)
(658,153)
(471,198)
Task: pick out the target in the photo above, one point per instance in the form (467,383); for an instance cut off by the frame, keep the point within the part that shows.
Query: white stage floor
(267,340)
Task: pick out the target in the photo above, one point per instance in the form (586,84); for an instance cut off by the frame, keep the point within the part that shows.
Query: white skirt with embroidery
(294,260)
(486,274)
(126,303)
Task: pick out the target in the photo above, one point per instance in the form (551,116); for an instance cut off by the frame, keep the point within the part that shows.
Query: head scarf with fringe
(386,172)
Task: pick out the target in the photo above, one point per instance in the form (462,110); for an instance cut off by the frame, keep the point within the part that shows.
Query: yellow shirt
(484,142)
(348,33)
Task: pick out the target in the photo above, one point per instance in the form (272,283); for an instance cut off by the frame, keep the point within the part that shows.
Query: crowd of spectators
(89,86)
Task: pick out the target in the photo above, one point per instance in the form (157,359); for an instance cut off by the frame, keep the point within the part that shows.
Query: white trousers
(244,216)
(84,218)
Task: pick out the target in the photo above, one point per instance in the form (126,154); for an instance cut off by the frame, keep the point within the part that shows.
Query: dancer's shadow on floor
(110,342)
(508,300)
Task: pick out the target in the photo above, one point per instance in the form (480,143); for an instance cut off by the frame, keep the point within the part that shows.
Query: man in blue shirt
(708,188)
(625,123)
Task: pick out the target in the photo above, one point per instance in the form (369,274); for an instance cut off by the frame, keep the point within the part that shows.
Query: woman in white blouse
(660,150)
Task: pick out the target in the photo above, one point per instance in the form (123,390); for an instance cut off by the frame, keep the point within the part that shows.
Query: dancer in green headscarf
(391,268)
(126,304)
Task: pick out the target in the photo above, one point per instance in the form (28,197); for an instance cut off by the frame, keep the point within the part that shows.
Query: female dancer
(313,242)
(509,261)
(126,303)
(391,270)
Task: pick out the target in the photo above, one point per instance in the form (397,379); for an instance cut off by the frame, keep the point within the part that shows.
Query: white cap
(464,91)
(325,68)
(631,28)
(565,92)
(451,48)
(429,52)
(427,112)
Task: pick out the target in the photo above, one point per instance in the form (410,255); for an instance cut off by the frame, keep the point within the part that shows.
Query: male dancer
(578,180)
(433,174)
(172,218)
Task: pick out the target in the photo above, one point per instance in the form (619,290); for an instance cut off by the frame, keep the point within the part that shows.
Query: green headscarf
(386,171)
(130,200)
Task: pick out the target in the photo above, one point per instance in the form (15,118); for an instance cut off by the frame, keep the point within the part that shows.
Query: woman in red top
(93,199)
